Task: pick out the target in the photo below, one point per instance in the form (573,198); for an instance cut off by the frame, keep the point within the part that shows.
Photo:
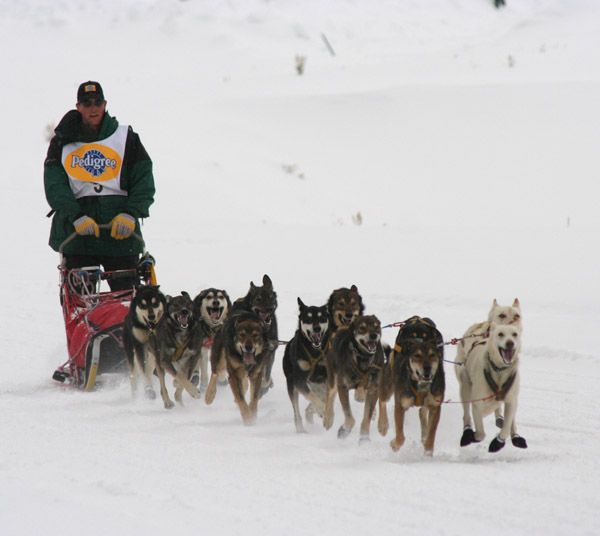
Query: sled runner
(94,319)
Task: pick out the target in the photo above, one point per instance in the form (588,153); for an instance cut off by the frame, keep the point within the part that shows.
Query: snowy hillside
(467,139)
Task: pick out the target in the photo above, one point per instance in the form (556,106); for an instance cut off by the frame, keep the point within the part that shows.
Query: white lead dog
(488,379)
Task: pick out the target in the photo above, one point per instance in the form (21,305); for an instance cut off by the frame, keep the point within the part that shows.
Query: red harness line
(468,401)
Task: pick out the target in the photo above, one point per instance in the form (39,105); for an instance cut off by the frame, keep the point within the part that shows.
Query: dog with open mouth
(344,305)
(174,348)
(414,374)
(354,360)
(146,312)
(241,348)
(262,301)
(304,362)
(210,308)
(488,380)
(477,334)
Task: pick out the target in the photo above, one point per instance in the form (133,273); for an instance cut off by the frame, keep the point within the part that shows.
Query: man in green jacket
(97,172)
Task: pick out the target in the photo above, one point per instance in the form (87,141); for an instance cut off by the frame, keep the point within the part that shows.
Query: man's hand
(86,226)
(122,225)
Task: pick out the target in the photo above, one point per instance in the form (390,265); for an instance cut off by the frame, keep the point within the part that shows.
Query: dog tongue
(248,358)
(215,314)
(507,354)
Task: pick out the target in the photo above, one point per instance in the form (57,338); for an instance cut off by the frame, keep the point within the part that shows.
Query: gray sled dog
(488,379)
(174,350)
(478,333)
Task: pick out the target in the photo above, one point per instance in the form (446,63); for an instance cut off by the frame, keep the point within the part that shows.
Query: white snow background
(467,138)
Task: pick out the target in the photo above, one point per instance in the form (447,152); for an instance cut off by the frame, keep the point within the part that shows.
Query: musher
(97,172)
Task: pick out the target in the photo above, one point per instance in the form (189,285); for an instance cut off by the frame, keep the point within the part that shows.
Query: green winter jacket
(136,178)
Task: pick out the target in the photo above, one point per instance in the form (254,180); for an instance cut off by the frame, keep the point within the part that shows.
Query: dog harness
(372,368)
(499,392)
(312,360)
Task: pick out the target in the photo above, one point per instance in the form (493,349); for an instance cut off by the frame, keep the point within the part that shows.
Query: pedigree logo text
(93,163)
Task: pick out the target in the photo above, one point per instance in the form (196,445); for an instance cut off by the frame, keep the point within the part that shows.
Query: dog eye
(501,334)
(503,316)
(516,317)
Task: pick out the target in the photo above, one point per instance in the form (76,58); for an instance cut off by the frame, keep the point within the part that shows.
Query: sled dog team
(336,349)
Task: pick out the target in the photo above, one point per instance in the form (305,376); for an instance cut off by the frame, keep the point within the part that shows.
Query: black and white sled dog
(262,301)
(146,312)
(174,349)
(304,362)
(210,308)
(488,379)
(477,334)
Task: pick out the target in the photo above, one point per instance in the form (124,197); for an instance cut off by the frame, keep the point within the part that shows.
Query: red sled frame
(94,318)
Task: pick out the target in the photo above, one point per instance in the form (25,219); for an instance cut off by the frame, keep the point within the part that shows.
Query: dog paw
(343,432)
(500,421)
(468,437)
(364,439)
(396,444)
(150,393)
(519,441)
(169,404)
(383,428)
(496,444)
(195,393)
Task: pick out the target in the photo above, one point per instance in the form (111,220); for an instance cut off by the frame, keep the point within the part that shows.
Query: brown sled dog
(415,375)
(344,305)
(211,308)
(241,348)
(354,361)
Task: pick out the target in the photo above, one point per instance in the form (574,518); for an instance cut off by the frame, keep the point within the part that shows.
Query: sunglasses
(87,103)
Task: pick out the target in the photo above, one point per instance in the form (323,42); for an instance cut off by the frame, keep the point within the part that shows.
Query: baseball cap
(89,90)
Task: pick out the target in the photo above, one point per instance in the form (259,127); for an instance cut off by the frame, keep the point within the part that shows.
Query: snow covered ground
(466,137)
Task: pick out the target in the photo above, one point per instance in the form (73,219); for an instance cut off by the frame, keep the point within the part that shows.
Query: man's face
(92,112)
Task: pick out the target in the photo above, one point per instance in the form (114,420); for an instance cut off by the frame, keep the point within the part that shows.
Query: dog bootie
(519,441)
(496,444)
(468,437)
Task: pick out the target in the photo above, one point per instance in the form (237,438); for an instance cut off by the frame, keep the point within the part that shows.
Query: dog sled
(94,319)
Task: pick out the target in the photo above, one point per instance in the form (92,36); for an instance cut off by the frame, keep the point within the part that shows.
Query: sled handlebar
(103,226)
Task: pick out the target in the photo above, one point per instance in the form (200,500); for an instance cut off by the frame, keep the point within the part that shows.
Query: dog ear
(186,295)
(301,304)
(353,288)
(516,304)
(201,295)
(252,285)
(267,283)
(428,321)
(495,303)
